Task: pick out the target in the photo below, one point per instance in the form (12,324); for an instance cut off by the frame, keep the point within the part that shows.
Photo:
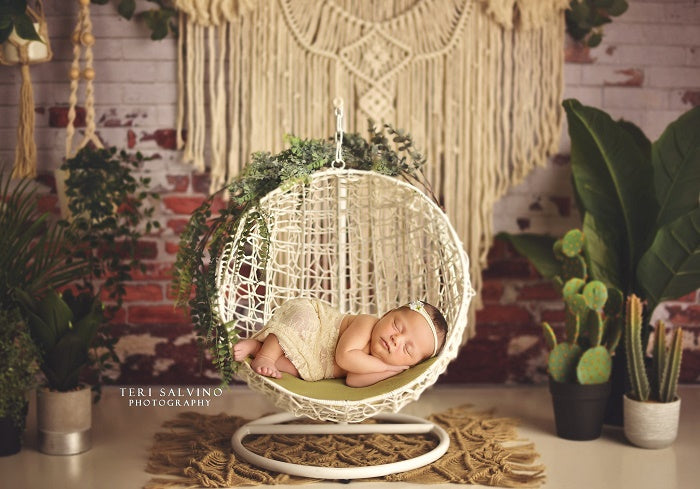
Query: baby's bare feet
(244,348)
(265,366)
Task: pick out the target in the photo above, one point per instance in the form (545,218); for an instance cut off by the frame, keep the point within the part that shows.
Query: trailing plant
(34,251)
(387,150)
(585,18)
(110,212)
(639,202)
(662,382)
(13,15)
(64,328)
(18,365)
(161,19)
(593,321)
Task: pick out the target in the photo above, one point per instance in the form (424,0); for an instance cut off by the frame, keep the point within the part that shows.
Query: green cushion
(336,390)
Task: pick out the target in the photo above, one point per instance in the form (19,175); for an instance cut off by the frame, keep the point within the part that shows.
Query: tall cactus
(636,371)
(666,362)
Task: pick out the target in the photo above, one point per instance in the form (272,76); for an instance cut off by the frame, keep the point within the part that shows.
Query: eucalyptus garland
(387,150)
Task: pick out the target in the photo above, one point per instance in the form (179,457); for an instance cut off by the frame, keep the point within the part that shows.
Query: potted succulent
(64,327)
(18,365)
(652,406)
(579,367)
(640,210)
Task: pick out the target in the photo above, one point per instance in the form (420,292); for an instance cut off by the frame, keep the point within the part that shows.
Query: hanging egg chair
(365,243)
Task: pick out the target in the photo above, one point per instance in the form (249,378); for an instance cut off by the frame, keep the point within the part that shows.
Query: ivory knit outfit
(307,331)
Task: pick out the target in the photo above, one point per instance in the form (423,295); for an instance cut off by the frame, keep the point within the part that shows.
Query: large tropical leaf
(614,180)
(671,266)
(538,249)
(601,252)
(675,157)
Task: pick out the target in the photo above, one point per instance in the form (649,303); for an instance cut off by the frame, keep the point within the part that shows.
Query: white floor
(123,435)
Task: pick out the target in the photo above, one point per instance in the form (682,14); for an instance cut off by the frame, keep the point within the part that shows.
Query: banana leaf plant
(639,203)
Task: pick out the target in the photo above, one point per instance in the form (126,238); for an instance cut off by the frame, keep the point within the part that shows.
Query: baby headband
(418,306)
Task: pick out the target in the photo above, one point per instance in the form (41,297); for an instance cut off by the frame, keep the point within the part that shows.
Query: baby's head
(409,334)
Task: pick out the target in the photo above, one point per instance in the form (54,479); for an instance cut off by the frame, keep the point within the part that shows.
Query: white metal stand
(400,424)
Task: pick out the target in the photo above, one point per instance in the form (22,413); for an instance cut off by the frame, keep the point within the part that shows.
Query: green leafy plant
(593,319)
(64,328)
(662,382)
(387,150)
(161,19)
(585,18)
(34,251)
(110,213)
(13,15)
(639,202)
(18,365)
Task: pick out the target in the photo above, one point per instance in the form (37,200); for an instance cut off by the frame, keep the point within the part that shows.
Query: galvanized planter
(64,421)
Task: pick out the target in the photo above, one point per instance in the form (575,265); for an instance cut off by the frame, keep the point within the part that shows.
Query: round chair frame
(324,225)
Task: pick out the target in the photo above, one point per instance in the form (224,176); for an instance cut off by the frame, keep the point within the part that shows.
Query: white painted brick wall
(136,89)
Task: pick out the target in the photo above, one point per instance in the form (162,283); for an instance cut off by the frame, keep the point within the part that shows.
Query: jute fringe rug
(484,449)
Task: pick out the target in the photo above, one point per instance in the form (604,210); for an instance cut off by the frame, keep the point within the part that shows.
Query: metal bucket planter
(651,424)
(579,409)
(64,421)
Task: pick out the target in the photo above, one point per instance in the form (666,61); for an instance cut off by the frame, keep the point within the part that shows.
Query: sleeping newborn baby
(310,339)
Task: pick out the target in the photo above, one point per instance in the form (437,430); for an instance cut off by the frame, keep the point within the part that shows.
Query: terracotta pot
(64,421)
(579,409)
(651,424)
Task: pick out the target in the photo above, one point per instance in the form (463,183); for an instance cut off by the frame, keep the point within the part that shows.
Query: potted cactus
(579,367)
(652,406)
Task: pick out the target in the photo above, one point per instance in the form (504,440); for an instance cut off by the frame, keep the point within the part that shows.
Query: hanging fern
(387,150)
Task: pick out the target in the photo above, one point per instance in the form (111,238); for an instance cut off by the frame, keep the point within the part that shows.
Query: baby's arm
(363,380)
(349,354)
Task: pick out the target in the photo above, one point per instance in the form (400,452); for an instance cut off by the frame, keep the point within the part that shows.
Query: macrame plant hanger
(83,40)
(23,52)
(343,225)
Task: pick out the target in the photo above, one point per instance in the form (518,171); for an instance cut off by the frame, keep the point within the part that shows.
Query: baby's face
(401,337)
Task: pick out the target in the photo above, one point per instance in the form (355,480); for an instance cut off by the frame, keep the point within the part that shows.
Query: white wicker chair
(366,243)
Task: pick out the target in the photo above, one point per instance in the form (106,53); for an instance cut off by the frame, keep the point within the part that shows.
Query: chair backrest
(362,241)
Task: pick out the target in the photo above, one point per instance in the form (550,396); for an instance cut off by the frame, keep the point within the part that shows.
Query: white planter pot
(651,424)
(64,421)
(37,51)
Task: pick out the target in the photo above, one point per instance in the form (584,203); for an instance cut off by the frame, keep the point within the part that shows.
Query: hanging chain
(339,162)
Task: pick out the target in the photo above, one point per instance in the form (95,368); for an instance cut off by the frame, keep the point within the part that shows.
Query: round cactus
(577,305)
(572,243)
(574,267)
(571,287)
(613,306)
(562,362)
(596,294)
(594,366)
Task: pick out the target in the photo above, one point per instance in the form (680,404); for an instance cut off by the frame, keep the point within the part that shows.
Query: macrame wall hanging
(478,83)
(23,52)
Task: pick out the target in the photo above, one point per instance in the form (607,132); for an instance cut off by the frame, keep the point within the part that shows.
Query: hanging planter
(25,46)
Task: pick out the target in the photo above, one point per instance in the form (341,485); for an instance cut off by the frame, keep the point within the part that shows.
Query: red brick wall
(647,70)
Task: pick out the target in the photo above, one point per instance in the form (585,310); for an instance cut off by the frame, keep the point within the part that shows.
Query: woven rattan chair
(365,243)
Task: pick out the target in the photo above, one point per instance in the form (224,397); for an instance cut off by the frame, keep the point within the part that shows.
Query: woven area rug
(485,449)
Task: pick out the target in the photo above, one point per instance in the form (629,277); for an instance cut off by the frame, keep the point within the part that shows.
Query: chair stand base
(398,424)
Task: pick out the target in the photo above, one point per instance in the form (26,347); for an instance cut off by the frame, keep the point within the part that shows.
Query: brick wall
(647,70)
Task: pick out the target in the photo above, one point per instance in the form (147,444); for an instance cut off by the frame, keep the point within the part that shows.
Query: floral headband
(419,307)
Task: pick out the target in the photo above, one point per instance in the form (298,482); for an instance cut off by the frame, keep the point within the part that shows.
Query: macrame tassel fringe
(25,152)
